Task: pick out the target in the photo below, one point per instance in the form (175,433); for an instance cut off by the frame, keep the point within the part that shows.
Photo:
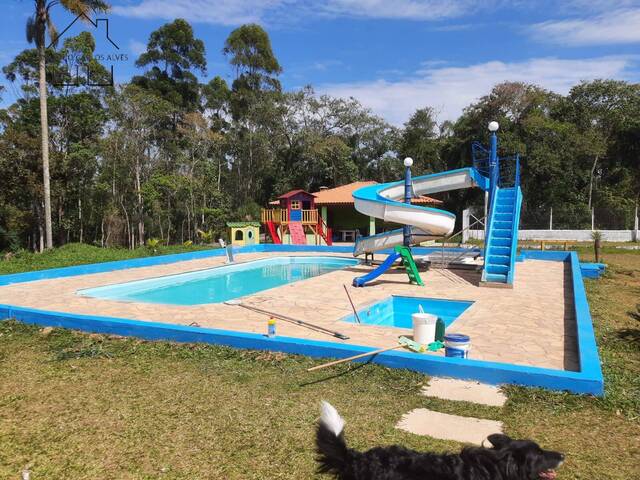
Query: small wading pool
(219,284)
(396,311)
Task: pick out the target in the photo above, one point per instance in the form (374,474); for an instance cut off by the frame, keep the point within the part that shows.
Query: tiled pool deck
(532,324)
(539,333)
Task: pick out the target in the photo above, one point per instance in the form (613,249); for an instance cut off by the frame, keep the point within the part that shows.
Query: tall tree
(37,27)
(173,54)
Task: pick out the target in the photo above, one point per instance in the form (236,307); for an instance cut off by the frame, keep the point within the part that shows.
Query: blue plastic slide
(386,265)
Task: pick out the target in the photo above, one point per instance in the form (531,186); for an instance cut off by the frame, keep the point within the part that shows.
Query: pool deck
(532,324)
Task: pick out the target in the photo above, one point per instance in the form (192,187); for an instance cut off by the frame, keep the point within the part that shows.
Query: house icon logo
(84,75)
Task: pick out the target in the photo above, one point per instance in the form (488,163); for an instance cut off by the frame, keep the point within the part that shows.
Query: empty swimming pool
(396,311)
(216,285)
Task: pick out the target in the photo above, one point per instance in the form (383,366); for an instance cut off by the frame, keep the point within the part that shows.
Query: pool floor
(396,311)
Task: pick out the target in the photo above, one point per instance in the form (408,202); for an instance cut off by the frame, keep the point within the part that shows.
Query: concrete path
(466,391)
(422,421)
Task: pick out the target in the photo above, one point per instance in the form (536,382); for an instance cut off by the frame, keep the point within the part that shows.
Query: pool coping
(588,380)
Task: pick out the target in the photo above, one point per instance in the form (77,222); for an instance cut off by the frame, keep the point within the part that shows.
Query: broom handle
(355,357)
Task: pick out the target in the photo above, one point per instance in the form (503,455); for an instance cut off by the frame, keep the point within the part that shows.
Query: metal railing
(449,261)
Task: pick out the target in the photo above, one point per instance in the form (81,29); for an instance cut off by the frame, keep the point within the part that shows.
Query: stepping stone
(466,391)
(422,421)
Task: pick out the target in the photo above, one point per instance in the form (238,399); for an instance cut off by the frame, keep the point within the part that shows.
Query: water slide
(385,201)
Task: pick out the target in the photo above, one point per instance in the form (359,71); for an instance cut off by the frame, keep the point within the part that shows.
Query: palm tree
(37,26)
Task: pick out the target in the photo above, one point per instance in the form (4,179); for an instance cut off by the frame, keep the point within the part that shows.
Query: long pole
(406,230)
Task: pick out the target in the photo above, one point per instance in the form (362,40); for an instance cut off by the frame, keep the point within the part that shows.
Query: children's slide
(384,201)
(297,233)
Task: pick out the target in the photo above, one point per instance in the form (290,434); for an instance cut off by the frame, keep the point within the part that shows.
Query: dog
(507,459)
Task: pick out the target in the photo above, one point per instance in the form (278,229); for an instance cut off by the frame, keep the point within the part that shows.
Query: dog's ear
(498,440)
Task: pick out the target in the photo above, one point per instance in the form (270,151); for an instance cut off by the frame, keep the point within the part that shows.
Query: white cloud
(617,27)
(235,12)
(450,89)
(223,12)
(137,47)
(400,9)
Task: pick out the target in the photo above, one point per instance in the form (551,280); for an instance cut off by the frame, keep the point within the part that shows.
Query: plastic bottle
(271,328)
(440,327)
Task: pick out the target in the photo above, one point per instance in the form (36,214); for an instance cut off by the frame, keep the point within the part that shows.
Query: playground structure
(296,220)
(391,202)
(243,233)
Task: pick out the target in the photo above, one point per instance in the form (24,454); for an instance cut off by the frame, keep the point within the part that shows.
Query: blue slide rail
(383,267)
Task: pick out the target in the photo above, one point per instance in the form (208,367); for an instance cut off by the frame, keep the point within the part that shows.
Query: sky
(394,56)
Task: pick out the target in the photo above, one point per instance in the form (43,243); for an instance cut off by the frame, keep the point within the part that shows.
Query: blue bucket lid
(457,337)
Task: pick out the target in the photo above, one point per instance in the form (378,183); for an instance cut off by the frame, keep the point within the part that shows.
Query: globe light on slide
(408,162)
(493,126)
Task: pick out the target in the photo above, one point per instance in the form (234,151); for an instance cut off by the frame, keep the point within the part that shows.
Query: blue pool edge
(588,380)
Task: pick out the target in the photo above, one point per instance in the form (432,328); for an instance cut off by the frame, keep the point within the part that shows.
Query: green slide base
(409,264)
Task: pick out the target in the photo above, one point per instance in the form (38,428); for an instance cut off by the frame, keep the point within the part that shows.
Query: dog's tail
(333,454)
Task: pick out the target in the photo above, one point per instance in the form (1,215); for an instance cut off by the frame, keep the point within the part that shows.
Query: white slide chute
(384,201)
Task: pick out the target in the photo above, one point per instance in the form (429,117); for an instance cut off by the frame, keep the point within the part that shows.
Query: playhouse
(243,233)
(295,220)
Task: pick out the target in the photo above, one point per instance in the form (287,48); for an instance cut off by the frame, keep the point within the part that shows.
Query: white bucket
(424,328)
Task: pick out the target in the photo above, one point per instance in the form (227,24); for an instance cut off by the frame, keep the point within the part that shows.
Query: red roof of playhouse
(294,192)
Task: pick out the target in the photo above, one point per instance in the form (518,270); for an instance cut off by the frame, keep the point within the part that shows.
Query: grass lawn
(78,406)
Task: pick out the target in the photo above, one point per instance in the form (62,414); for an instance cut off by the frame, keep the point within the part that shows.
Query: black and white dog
(507,460)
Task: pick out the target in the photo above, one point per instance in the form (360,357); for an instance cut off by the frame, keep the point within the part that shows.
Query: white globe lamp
(493,126)
(408,162)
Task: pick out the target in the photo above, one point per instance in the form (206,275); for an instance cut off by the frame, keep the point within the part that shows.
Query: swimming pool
(216,285)
(396,311)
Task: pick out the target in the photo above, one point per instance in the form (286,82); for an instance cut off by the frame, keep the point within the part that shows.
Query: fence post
(593,218)
(551,219)
(465,225)
(636,238)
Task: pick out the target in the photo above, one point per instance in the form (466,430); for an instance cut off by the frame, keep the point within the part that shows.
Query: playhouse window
(295,204)
(239,235)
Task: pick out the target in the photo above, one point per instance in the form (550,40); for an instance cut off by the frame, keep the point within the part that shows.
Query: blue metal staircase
(503,217)
(503,232)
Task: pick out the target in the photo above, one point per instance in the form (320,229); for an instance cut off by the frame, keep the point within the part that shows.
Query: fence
(619,225)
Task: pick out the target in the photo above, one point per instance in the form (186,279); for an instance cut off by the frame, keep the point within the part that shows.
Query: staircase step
(504,208)
(495,250)
(496,277)
(499,259)
(501,233)
(493,268)
(500,242)
(502,225)
(504,217)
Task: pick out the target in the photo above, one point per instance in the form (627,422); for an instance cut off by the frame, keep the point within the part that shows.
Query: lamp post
(493,173)
(493,155)
(406,230)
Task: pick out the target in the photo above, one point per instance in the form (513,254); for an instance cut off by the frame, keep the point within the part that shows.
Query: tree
(173,53)
(249,51)
(37,27)
(420,141)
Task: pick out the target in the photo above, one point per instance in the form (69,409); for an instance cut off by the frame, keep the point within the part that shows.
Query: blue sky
(394,56)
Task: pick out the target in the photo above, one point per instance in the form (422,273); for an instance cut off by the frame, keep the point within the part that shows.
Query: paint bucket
(424,328)
(457,345)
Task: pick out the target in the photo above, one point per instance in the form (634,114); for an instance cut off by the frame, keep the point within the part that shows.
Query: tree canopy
(176,152)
